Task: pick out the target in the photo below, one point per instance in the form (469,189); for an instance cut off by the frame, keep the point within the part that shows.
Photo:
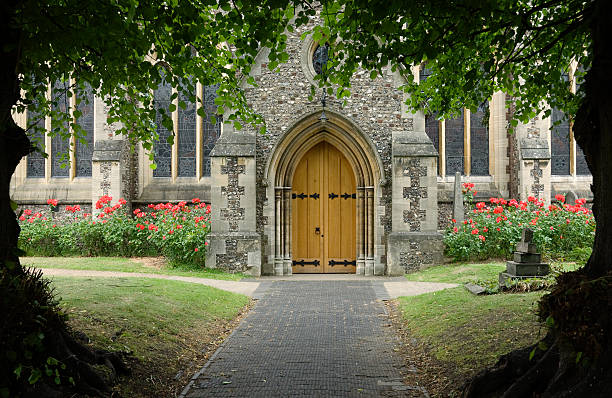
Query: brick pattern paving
(308,338)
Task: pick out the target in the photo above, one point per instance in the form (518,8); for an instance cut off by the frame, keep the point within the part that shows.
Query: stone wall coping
(235,235)
(107,150)
(533,148)
(234,144)
(414,236)
(412,144)
(446,195)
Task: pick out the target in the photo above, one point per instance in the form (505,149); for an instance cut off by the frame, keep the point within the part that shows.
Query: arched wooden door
(323,213)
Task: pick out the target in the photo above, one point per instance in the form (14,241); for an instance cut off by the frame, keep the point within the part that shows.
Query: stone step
(527,269)
(504,276)
(520,257)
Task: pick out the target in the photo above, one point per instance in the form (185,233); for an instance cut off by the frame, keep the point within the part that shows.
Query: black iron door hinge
(316,263)
(346,263)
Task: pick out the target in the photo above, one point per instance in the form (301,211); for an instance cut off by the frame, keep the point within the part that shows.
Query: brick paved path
(308,338)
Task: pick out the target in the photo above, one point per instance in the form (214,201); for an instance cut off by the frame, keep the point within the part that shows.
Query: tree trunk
(14,143)
(593,131)
(579,360)
(59,344)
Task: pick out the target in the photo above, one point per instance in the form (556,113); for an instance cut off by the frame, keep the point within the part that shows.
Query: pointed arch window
(74,154)
(194,135)
(462,141)
(567,157)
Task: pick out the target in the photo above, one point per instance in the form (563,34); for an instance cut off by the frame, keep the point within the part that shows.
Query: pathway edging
(386,288)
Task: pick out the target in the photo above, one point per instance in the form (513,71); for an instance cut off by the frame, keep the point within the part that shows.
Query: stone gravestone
(570,198)
(458,211)
(527,262)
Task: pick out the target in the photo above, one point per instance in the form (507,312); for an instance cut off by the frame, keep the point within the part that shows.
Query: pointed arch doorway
(324,212)
(337,136)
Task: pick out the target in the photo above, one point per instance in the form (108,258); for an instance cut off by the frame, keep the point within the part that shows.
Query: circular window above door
(320,57)
(314,58)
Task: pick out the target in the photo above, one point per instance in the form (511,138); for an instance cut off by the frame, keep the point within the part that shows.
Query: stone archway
(364,160)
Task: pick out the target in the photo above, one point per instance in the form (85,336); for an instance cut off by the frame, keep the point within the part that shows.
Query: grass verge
(458,273)
(168,328)
(150,265)
(462,334)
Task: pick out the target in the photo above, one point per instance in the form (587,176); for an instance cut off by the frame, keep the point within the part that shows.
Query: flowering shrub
(177,231)
(492,230)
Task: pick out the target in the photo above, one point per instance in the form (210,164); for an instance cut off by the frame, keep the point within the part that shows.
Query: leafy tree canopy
(472,48)
(124,48)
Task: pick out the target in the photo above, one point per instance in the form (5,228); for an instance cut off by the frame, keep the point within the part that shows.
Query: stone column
(234,244)
(458,209)
(414,242)
(534,169)
(110,160)
(279,245)
(106,171)
(361,238)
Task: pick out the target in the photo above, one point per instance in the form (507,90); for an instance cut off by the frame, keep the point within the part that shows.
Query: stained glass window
(432,124)
(162,151)
(210,132)
(84,151)
(479,141)
(432,129)
(187,136)
(320,58)
(60,146)
(581,165)
(454,145)
(560,148)
(36,162)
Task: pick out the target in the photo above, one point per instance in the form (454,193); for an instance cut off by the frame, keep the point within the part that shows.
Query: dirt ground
(439,379)
(150,262)
(168,370)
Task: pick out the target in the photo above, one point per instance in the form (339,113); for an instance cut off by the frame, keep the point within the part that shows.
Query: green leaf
(578,357)
(35,375)
(550,322)
(18,370)
(14,205)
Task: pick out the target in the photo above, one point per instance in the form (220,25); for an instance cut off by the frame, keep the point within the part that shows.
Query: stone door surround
(359,151)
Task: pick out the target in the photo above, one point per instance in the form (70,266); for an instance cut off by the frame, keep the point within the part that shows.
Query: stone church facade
(366,189)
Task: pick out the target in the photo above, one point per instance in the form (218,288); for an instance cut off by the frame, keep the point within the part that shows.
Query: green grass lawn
(458,273)
(464,273)
(470,332)
(165,325)
(464,333)
(122,264)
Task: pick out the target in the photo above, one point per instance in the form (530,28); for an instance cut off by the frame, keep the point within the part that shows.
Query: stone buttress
(233,243)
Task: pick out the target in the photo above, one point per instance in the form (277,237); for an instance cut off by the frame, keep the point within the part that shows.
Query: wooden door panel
(306,214)
(340,254)
(299,215)
(323,212)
